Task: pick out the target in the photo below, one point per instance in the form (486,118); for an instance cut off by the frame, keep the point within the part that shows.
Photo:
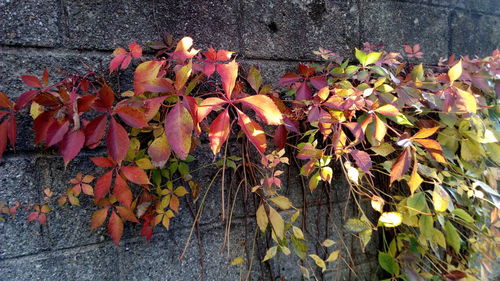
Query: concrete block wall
(65,35)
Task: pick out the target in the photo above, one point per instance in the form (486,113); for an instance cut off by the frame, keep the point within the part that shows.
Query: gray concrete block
(19,182)
(474,34)
(395,24)
(29,22)
(89,263)
(291,29)
(107,24)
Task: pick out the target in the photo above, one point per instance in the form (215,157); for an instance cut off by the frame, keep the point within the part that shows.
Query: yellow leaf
(282,202)
(262,220)
(328,243)
(36,110)
(384,149)
(277,223)
(455,72)
(319,262)
(238,260)
(271,252)
(467,102)
(415,179)
(297,232)
(333,256)
(144,163)
(180,191)
(390,219)
(440,199)
(377,203)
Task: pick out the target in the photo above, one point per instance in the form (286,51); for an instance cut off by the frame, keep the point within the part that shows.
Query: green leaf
(463,215)
(367,59)
(356,225)
(452,237)
(417,203)
(388,263)
(426,224)
(299,247)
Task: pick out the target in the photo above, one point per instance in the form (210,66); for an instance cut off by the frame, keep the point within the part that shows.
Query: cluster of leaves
(420,143)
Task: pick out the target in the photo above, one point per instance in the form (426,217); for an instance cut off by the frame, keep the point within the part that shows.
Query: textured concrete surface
(66,36)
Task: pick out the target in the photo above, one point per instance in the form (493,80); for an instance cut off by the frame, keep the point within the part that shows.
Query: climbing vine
(420,143)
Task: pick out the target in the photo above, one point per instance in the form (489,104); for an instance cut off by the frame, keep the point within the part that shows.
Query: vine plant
(421,144)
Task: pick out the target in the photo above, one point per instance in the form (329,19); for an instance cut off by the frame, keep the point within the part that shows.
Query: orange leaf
(434,148)
(228,73)
(425,133)
(401,166)
(98,218)
(126,214)
(132,116)
(117,141)
(174,203)
(179,129)
(115,227)
(146,78)
(135,175)
(219,131)
(159,151)
(207,105)
(265,108)
(415,179)
(182,51)
(253,131)
(122,191)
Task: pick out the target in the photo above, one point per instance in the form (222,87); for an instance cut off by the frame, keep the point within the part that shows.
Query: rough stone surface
(108,24)
(406,23)
(290,29)
(29,22)
(69,36)
(474,34)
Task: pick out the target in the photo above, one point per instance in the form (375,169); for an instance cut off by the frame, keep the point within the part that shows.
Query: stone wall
(65,35)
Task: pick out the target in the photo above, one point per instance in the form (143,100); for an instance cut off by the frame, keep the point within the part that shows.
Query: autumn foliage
(421,144)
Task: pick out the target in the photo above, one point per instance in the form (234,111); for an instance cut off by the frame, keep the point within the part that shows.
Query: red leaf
(103,185)
(47,100)
(31,81)
(3,137)
(219,131)
(45,77)
(117,60)
(126,214)
(401,166)
(318,82)
(33,216)
(41,125)
(289,78)
(94,131)
(228,73)
(159,151)
(12,130)
(179,129)
(102,162)
(135,50)
(356,130)
(207,105)
(363,160)
(105,98)
(434,148)
(117,141)
(115,227)
(304,92)
(85,102)
(4,101)
(253,131)
(135,174)
(56,132)
(25,98)
(98,218)
(280,136)
(42,218)
(126,61)
(265,108)
(71,145)
(122,191)
(152,106)
(132,116)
